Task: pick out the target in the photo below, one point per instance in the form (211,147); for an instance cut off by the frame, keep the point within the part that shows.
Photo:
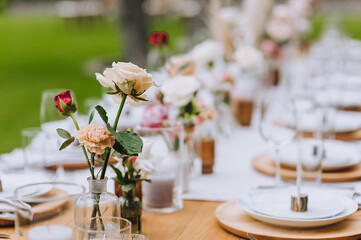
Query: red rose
(158,39)
(65,104)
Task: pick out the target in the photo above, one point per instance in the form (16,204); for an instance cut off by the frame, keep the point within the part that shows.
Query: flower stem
(119,112)
(91,169)
(115,125)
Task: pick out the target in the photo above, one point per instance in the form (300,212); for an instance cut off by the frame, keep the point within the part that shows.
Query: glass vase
(97,202)
(131,209)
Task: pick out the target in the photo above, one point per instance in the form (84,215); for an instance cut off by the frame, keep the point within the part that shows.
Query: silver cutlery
(251,237)
(4,236)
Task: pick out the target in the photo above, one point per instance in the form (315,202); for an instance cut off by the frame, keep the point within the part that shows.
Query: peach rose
(95,138)
(181,65)
(207,113)
(129,78)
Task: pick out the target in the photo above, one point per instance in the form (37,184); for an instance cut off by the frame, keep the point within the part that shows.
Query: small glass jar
(163,194)
(97,202)
(131,209)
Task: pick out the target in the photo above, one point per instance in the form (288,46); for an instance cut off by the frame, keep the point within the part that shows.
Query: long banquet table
(233,175)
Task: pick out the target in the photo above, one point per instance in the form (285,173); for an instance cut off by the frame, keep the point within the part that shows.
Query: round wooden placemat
(265,165)
(236,221)
(44,210)
(78,165)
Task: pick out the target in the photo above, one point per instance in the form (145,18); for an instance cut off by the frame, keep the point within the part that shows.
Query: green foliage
(63,133)
(91,117)
(102,113)
(67,143)
(128,143)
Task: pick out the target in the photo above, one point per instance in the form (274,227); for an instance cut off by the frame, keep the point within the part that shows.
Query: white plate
(277,202)
(339,155)
(344,121)
(350,208)
(12,181)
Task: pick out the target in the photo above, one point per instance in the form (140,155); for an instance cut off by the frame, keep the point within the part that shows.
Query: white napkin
(8,208)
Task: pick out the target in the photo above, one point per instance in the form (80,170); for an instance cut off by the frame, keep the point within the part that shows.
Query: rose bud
(158,39)
(65,103)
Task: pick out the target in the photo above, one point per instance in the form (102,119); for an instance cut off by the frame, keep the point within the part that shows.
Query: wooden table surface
(196,221)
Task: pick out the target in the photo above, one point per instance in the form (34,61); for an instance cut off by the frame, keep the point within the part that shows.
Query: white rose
(248,57)
(207,52)
(279,31)
(129,78)
(143,160)
(282,13)
(180,90)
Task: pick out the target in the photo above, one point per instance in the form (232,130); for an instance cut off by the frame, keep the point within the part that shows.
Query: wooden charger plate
(44,210)
(233,219)
(265,165)
(78,165)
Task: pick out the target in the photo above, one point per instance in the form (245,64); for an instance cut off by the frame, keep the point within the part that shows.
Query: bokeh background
(46,44)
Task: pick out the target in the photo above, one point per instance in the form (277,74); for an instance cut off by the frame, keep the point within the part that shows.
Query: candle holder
(163,194)
(51,215)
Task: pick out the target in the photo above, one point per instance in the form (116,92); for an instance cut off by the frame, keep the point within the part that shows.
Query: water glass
(31,152)
(50,119)
(46,210)
(277,125)
(103,228)
(311,155)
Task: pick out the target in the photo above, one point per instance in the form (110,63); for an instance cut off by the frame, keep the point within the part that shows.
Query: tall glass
(163,194)
(51,215)
(103,228)
(277,124)
(31,150)
(49,114)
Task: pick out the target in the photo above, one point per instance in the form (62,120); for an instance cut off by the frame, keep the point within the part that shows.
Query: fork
(251,237)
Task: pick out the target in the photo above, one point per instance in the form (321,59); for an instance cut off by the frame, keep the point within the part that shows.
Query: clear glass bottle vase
(131,209)
(97,202)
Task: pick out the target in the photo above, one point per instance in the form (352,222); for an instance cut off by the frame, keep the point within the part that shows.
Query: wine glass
(48,115)
(277,124)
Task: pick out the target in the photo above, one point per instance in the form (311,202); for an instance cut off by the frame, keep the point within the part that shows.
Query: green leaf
(117,172)
(136,98)
(63,133)
(102,113)
(111,92)
(91,116)
(66,143)
(130,143)
(119,148)
(128,187)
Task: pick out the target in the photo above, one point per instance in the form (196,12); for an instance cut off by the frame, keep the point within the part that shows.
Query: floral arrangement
(122,80)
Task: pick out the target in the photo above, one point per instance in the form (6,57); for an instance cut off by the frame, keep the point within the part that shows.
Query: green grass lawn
(38,53)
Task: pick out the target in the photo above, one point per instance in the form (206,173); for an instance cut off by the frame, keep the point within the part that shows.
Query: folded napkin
(8,208)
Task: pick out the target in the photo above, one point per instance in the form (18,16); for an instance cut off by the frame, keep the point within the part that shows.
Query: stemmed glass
(49,113)
(277,124)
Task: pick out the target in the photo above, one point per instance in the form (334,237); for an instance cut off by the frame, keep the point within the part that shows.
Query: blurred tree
(2,5)
(133,21)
